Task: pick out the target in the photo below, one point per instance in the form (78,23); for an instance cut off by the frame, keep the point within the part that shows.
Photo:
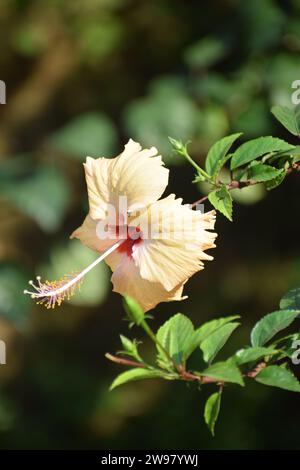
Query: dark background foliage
(82,77)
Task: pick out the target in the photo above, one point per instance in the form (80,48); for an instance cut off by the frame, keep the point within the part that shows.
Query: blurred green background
(82,77)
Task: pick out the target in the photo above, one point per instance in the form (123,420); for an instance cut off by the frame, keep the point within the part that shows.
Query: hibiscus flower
(152,246)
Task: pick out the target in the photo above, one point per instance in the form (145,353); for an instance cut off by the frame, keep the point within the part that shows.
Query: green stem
(153,337)
(186,155)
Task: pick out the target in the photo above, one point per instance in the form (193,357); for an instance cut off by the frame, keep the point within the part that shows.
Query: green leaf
(177,145)
(177,336)
(215,342)
(14,305)
(243,356)
(272,184)
(66,258)
(166,110)
(289,118)
(205,52)
(225,371)
(222,201)
(296,154)
(138,373)
(212,410)
(89,134)
(291,300)
(217,154)
(286,346)
(256,148)
(130,347)
(278,376)
(44,196)
(270,325)
(260,172)
(133,310)
(211,326)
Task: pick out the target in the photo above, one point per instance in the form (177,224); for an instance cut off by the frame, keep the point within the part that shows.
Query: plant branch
(123,361)
(185,375)
(243,184)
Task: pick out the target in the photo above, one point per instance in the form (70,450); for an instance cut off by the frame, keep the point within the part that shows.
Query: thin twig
(185,375)
(123,361)
(254,372)
(243,184)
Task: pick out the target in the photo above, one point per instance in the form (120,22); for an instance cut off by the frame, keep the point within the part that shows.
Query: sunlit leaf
(212,410)
(222,201)
(205,330)
(224,371)
(130,347)
(217,154)
(256,148)
(215,341)
(176,335)
(138,373)
(252,354)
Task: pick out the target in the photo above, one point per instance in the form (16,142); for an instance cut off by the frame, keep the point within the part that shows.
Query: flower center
(134,237)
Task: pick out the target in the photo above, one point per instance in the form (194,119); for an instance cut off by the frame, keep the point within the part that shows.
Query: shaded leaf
(14,305)
(90,134)
(205,52)
(272,184)
(291,300)
(288,346)
(260,172)
(278,376)
(289,118)
(166,110)
(271,324)
(44,196)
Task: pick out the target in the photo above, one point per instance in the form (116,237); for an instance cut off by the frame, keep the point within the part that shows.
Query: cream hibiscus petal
(137,174)
(126,280)
(174,250)
(95,234)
